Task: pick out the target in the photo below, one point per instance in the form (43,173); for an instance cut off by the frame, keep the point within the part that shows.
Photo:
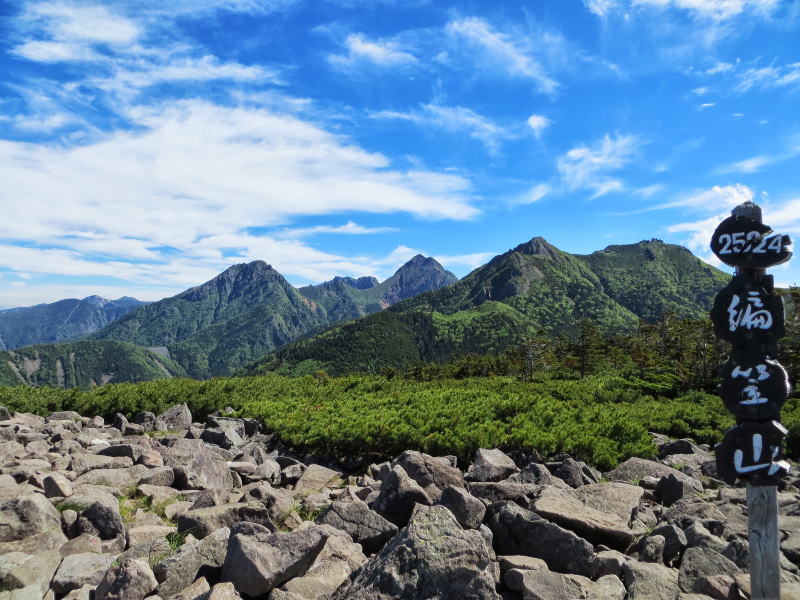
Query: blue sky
(145,147)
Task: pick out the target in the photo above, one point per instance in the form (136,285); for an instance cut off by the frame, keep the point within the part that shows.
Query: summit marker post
(749,314)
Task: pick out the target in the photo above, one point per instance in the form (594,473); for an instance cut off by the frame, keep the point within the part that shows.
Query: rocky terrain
(164,507)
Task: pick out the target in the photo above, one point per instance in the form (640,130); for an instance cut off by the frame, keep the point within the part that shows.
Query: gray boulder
(101,521)
(398,495)
(635,469)
(432,474)
(77,570)
(192,560)
(520,531)
(364,526)
(650,581)
(25,516)
(203,521)
(196,466)
(615,497)
(500,491)
(20,571)
(431,558)
(490,465)
(258,560)
(543,584)
(563,508)
(698,563)
(467,509)
(675,542)
(131,580)
(177,418)
(316,478)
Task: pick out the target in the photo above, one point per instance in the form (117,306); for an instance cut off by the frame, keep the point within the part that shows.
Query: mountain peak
(537,246)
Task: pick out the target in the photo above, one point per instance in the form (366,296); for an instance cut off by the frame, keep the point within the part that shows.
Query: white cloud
(648,191)
(749,165)
(455,119)
(766,78)
(45,51)
(538,123)
(382,53)
(714,10)
(349,228)
(501,50)
(536,193)
(707,105)
(585,167)
(720,67)
(193,174)
(701,91)
(716,198)
(471,261)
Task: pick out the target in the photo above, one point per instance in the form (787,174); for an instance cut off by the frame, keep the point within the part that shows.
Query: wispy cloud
(376,52)
(766,78)
(349,228)
(588,167)
(454,119)
(192,178)
(754,164)
(714,10)
(502,51)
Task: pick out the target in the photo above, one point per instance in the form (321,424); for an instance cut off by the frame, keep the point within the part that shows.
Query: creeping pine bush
(602,420)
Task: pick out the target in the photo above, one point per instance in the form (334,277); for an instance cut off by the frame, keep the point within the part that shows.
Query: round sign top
(740,241)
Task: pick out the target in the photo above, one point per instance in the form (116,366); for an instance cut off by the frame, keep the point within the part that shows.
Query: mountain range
(249,319)
(60,321)
(533,288)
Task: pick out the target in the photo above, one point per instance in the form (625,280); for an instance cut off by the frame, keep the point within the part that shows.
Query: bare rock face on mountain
(431,558)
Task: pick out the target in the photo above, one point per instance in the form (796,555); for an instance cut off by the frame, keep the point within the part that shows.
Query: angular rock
(77,570)
(131,580)
(337,559)
(27,515)
(223,591)
(398,495)
(537,474)
(573,472)
(467,509)
(520,531)
(196,466)
(675,543)
(432,558)
(177,418)
(563,508)
(607,562)
(652,549)
(56,485)
(147,533)
(634,469)
(650,581)
(84,543)
(490,465)
(500,491)
(543,584)
(432,474)
(671,489)
(364,526)
(203,521)
(316,478)
(622,499)
(102,521)
(197,590)
(192,560)
(258,561)
(19,570)
(698,563)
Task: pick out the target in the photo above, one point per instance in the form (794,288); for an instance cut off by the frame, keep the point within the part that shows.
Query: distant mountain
(250,310)
(533,287)
(345,298)
(60,321)
(84,364)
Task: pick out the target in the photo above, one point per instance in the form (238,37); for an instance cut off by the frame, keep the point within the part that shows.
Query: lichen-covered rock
(258,560)
(179,569)
(178,418)
(431,473)
(203,521)
(398,495)
(490,465)
(25,516)
(431,558)
(131,580)
(520,531)
(364,526)
(196,466)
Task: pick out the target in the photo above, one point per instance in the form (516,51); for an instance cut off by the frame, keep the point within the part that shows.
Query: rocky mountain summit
(167,507)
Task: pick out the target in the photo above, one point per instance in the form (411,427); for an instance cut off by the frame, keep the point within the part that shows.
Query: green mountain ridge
(250,310)
(532,288)
(60,321)
(84,364)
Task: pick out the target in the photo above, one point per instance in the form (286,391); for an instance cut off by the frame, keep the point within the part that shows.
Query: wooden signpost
(749,314)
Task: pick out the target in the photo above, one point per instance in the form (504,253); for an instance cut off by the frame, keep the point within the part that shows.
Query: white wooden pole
(764,538)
